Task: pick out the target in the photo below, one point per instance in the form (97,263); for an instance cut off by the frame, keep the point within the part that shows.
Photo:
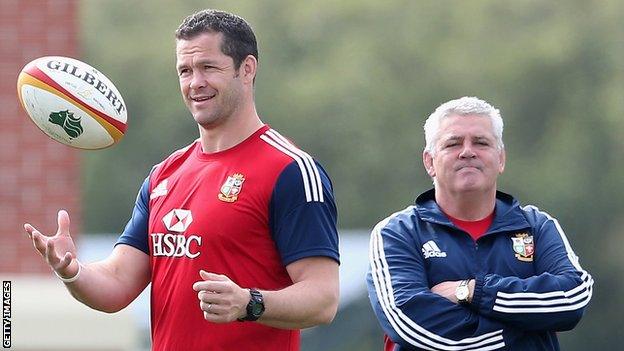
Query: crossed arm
(501,308)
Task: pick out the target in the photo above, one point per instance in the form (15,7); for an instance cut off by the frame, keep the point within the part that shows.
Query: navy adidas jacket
(529,283)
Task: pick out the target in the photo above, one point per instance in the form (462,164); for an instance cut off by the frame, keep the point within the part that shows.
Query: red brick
(38,175)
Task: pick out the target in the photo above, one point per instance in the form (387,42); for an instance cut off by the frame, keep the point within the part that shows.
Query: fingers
(212,276)
(214,287)
(65,261)
(29,229)
(57,262)
(212,282)
(39,241)
(50,254)
(63,223)
(216,313)
(47,246)
(220,299)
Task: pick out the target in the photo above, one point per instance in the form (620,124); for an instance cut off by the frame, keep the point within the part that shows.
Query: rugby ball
(72,102)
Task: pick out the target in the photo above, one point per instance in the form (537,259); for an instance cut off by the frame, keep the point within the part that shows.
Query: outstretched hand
(221,299)
(59,250)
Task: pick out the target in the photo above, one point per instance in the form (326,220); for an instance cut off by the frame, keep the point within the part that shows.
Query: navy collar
(508,216)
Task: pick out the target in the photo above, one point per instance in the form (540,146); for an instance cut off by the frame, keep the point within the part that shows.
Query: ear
(248,69)
(428,163)
(501,159)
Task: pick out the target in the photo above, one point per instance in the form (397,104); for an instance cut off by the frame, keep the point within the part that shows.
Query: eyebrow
(452,138)
(458,137)
(482,137)
(201,62)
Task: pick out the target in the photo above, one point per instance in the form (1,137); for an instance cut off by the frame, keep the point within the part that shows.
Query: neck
(231,132)
(467,206)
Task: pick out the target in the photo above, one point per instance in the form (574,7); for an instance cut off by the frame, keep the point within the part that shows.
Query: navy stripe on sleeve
(135,233)
(303,228)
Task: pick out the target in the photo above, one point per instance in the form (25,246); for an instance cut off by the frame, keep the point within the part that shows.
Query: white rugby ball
(72,102)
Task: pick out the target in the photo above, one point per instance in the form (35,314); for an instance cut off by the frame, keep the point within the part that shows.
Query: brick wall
(38,176)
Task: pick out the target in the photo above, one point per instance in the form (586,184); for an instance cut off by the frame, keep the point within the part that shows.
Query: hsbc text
(175,245)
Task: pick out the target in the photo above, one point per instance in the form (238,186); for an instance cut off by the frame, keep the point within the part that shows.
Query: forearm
(99,288)
(544,302)
(301,305)
(111,284)
(425,320)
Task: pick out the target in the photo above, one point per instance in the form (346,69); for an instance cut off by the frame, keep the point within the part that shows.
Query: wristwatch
(255,307)
(462,292)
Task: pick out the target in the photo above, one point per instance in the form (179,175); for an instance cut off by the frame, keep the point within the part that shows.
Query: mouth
(468,167)
(201,98)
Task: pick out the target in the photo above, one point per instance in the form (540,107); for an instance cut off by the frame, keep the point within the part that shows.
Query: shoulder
(400,222)
(296,168)
(535,216)
(280,149)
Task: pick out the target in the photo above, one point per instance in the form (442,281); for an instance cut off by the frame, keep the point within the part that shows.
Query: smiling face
(210,84)
(466,156)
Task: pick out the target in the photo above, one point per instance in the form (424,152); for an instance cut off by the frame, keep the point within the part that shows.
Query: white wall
(45,317)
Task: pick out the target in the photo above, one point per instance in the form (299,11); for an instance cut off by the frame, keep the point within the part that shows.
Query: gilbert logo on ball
(72,102)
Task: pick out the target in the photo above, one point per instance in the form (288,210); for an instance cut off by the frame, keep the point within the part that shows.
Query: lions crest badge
(523,247)
(231,188)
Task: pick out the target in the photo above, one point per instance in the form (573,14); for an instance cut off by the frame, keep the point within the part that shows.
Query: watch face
(257,309)
(462,293)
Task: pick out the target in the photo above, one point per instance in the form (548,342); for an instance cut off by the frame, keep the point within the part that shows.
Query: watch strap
(255,307)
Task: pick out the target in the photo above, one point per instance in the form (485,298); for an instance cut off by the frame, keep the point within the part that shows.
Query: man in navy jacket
(467,267)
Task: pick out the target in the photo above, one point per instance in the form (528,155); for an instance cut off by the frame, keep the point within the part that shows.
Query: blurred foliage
(352,83)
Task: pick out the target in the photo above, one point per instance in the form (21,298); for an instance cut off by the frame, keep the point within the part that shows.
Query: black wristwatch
(255,307)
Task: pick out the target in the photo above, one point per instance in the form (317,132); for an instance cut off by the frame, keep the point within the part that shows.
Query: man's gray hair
(463,107)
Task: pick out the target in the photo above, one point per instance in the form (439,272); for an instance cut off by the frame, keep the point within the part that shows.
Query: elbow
(327,314)
(573,318)
(102,306)
(107,308)
(110,309)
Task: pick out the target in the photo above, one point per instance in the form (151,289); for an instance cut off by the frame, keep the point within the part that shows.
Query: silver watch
(462,292)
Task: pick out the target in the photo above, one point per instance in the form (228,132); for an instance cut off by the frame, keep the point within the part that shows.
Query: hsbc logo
(176,245)
(178,220)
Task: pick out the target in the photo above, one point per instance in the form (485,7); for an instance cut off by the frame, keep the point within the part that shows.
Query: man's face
(466,155)
(210,85)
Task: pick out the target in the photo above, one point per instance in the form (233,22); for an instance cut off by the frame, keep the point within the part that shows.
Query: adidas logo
(159,190)
(431,249)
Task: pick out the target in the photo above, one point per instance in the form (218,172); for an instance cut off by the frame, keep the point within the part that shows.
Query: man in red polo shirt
(236,232)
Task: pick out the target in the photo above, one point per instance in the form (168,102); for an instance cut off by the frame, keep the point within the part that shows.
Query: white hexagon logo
(178,220)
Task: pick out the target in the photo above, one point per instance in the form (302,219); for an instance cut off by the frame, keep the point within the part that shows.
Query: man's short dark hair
(239,40)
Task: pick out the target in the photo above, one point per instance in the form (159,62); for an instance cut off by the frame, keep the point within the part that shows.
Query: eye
(183,72)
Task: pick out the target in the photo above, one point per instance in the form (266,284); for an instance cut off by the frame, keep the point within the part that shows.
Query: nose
(197,81)
(467,151)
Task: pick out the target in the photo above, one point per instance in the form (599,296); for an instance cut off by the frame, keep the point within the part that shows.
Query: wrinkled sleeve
(554,299)
(408,312)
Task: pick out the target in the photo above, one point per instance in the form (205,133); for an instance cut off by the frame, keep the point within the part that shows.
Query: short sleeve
(303,213)
(135,233)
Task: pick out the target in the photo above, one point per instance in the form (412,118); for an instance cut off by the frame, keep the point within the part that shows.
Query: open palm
(58,250)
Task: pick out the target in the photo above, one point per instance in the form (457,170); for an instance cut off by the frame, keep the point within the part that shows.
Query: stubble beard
(222,112)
